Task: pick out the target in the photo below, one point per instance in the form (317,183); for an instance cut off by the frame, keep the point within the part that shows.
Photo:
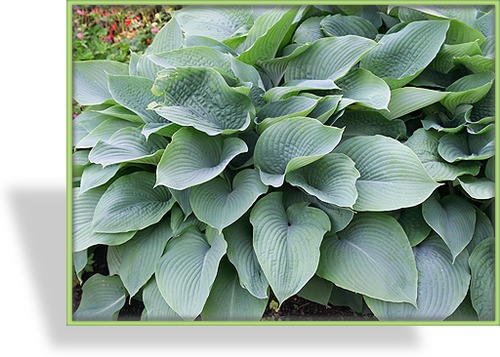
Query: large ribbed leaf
(228,301)
(102,299)
(453,218)
(482,230)
(369,122)
(128,145)
(134,93)
(339,25)
(193,56)
(131,203)
(155,306)
(290,144)
(480,188)
(317,290)
(294,87)
(103,132)
(199,97)
(332,179)
(194,157)
(414,225)
(442,285)
(267,34)
(138,256)
(167,39)
(90,83)
(404,54)
(219,23)
(445,59)
(362,87)
(392,176)
(464,146)
(276,111)
(242,255)
(95,175)
(328,58)
(425,144)
(220,203)
(408,99)
(468,89)
(187,270)
(482,287)
(372,256)
(286,242)
(309,30)
(84,205)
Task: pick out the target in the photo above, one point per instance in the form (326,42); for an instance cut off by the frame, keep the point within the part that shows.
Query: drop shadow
(41,221)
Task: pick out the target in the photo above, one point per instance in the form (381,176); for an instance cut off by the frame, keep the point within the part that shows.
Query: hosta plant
(341,154)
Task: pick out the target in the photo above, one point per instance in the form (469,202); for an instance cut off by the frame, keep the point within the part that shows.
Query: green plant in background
(341,153)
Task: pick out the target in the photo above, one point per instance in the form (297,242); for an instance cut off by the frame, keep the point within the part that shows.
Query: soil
(294,309)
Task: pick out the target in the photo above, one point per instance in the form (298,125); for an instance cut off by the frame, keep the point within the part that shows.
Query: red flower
(128,22)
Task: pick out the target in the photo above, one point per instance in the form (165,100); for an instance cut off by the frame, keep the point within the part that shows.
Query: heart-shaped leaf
(220,204)
(452,218)
(332,179)
(290,144)
(482,286)
(287,242)
(194,157)
(155,306)
(187,270)
(442,285)
(373,257)
(388,169)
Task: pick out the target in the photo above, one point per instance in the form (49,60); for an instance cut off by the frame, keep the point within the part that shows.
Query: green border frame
(69,168)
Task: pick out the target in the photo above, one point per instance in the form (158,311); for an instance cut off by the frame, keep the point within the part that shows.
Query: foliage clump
(319,151)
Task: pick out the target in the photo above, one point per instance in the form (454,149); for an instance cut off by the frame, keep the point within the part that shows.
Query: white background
(33,293)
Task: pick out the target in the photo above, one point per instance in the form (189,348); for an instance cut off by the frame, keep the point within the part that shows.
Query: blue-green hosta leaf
(342,297)
(199,97)
(362,87)
(162,129)
(460,32)
(228,301)
(325,107)
(102,299)
(131,203)
(477,63)
(295,87)
(134,93)
(485,107)
(466,14)
(368,122)
(372,256)
(432,78)
(155,306)
(267,34)
(468,90)
(80,261)
(187,270)
(219,203)
(414,225)
(482,230)
(194,157)
(193,56)
(339,25)
(332,179)
(317,290)
(90,84)
(84,206)
(486,23)
(425,144)
(169,38)
(219,23)
(80,160)
(388,170)
(181,222)
(198,40)
(464,146)
(446,58)
(128,145)
(290,144)
(182,199)
(454,123)
(453,218)
(488,47)
(408,99)
(480,188)
(241,254)
(103,132)
(120,112)
(464,312)
(328,58)
(442,285)
(95,175)
(138,256)
(309,30)
(482,286)
(274,112)
(286,242)
(401,56)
